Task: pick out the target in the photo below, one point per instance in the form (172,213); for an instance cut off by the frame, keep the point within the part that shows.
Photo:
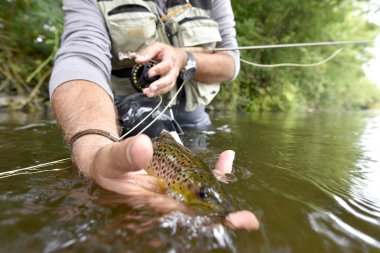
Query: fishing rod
(308,44)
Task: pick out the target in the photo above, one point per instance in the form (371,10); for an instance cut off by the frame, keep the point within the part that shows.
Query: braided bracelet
(106,134)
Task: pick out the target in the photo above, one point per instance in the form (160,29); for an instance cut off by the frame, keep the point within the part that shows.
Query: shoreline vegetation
(30,34)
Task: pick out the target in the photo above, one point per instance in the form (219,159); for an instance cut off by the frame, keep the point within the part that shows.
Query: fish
(186,177)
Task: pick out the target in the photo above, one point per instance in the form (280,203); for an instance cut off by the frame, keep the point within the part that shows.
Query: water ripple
(328,224)
(357,214)
(199,228)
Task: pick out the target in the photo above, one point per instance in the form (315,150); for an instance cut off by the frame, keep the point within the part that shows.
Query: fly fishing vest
(134,24)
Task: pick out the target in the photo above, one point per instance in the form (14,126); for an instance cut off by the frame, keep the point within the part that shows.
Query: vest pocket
(198,30)
(132,27)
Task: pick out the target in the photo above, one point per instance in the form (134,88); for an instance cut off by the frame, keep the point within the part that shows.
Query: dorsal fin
(169,136)
(166,134)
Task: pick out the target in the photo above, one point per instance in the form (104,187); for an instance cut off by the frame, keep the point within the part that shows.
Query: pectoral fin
(151,183)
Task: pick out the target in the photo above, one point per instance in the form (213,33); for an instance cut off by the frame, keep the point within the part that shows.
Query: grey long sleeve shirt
(85,52)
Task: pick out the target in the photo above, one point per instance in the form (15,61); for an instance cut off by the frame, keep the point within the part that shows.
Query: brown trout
(186,177)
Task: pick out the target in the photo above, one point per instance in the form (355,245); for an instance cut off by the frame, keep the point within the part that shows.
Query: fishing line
(142,121)
(131,55)
(32,172)
(29,170)
(291,45)
(293,64)
(165,109)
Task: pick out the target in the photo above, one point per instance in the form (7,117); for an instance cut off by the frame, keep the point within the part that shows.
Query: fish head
(206,197)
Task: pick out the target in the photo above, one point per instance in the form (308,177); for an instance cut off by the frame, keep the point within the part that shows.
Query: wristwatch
(188,72)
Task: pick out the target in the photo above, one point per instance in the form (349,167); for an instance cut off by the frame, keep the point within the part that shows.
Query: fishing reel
(139,75)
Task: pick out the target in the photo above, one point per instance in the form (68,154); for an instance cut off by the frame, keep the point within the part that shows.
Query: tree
(327,86)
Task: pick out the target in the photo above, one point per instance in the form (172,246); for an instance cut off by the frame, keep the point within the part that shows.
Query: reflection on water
(312,180)
(361,202)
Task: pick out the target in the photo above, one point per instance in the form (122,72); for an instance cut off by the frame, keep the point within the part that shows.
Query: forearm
(214,68)
(79,105)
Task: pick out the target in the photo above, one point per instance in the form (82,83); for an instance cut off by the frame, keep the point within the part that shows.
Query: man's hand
(240,220)
(170,62)
(80,105)
(118,168)
(211,67)
(115,164)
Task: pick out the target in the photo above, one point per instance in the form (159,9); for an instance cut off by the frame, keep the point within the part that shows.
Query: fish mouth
(214,209)
(220,214)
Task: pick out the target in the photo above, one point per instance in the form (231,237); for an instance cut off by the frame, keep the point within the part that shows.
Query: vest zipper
(127,8)
(192,19)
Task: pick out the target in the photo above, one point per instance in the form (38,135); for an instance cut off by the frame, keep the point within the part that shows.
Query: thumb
(135,153)
(116,159)
(224,163)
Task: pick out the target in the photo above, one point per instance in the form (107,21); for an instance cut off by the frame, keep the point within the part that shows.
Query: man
(82,88)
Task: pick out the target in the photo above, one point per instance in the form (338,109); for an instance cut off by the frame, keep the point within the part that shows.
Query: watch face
(190,68)
(189,74)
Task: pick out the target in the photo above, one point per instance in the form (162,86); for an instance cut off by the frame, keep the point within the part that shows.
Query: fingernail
(153,88)
(152,72)
(149,93)
(141,58)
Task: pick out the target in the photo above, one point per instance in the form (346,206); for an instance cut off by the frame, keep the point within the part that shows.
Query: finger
(164,84)
(161,86)
(243,220)
(163,89)
(150,52)
(116,159)
(224,163)
(167,72)
(161,69)
(135,153)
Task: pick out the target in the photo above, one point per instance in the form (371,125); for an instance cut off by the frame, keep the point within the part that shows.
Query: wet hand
(118,167)
(170,62)
(240,220)
(115,164)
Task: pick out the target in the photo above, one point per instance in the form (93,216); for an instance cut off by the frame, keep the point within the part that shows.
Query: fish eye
(202,193)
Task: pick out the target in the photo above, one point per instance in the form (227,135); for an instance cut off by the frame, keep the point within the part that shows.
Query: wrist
(184,59)
(189,69)
(84,151)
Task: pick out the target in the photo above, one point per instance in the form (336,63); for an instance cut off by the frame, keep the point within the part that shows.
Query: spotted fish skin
(186,177)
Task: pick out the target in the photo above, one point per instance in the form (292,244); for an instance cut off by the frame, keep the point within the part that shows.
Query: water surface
(312,179)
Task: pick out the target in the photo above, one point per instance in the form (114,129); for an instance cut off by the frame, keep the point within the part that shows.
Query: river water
(312,179)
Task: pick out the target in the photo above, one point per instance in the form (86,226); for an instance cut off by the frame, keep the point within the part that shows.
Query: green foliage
(29,31)
(338,84)
(30,35)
